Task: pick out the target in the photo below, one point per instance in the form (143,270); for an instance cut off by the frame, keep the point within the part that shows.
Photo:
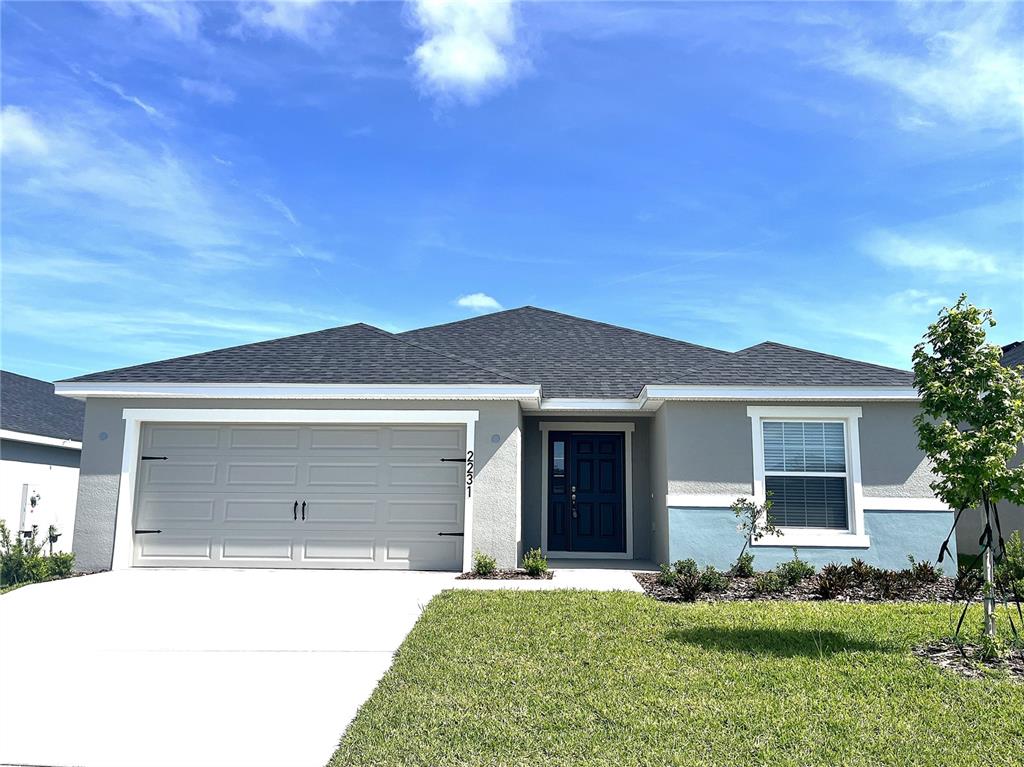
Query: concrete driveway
(145,668)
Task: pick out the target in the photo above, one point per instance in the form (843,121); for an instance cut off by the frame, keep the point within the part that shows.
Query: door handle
(295,511)
(303,511)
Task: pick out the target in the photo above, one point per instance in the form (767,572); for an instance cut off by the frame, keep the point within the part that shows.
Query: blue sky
(181,177)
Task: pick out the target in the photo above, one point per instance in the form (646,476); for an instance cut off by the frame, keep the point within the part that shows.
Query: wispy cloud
(213,91)
(965,63)
(119,91)
(929,255)
(279,205)
(468,48)
(181,19)
(309,21)
(478,302)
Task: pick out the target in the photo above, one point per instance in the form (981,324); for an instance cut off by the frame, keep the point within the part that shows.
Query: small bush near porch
(577,678)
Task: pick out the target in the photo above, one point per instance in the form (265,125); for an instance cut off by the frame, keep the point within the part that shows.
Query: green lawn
(574,678)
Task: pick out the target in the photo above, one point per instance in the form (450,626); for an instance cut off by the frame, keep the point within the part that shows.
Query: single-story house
(40,447)
(354,447)
(971,524)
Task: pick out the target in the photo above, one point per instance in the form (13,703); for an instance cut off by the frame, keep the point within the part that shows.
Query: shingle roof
(29,406)
(774,364)
(1013,354)
(352,354)
(567,356)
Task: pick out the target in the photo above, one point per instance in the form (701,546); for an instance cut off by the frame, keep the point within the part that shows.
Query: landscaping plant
(744,567)
(484,564)
(794,571)
(535,563)
(754,523)
(970,425)
(834,579)
(22,559)
(712,581)
(768,583)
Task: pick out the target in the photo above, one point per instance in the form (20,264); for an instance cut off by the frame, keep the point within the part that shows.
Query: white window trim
(627,429)
(134,418)
(853,537)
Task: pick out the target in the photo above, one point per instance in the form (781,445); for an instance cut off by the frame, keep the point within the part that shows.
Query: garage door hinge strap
(143,532)
(154,458)
(454,535)
(453,460)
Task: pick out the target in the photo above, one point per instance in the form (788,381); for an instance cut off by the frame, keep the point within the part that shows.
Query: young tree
(970,425)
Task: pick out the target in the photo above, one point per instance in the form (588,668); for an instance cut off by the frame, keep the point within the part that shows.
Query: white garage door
(359,496)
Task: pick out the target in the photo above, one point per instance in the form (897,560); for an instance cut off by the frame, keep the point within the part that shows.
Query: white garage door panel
(376,496)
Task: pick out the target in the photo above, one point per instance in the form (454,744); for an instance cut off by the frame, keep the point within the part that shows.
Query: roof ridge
(27,378)
(826,354)
(439,352)
(221,349)
(465,319)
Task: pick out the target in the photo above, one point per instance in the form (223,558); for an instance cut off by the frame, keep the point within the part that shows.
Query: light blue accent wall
(710,537)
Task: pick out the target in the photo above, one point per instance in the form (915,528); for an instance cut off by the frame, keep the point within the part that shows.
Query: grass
(576,678)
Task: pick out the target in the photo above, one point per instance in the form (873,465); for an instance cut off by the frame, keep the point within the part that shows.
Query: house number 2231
(469,473)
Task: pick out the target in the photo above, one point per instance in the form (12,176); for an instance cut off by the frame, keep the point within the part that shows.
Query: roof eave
(790,393)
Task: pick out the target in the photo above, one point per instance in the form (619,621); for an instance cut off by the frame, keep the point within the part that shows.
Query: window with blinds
(805,473)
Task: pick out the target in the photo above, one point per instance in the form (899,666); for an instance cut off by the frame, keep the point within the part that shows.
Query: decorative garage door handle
(295,511)
(144,532)
(303,511)
(454,535)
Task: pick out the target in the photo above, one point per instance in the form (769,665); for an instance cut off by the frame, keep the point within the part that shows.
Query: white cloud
(305,20)
(117,89)
(478,302)
(19,133)
(181,19)
(939,257)
(469,45)
(212,91)
(965,63)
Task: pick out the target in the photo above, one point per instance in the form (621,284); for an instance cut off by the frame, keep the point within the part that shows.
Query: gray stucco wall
(49,455)
(533,443)
(495,496)
(710,451)
(659,487)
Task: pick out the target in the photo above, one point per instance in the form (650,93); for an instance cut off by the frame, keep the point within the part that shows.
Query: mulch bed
(967,661)
(743,589)
(505,575)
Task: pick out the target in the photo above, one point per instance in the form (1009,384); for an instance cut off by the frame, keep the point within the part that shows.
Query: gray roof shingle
(29,406)
(352,354)
(1013,354)
(567,356)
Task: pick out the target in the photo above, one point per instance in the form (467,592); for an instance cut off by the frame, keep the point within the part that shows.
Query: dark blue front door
(586,492)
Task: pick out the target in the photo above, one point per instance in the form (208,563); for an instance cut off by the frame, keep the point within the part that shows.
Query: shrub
(889,584)
(484,564)
(21,559)
(834,579)
(768,583)
(535,563)
(922,572)
(744,567)
(1010,570)
(794,571)
(686,567)
(860,572)
(689,585)
(713,581)
(968,581)
(667,576)
(59,565)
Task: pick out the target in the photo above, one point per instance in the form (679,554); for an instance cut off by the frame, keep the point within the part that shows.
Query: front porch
(586,500)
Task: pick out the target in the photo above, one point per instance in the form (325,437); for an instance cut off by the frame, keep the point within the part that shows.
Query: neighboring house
(355,447)
(40,446)
(971,524)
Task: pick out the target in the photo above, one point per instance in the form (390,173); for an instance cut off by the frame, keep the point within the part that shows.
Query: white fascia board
(806,393)
(83,390)
(591,404)
(39,439)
